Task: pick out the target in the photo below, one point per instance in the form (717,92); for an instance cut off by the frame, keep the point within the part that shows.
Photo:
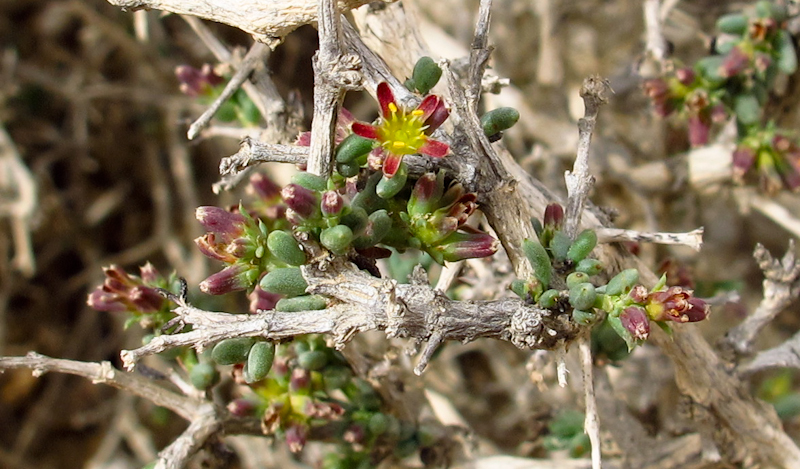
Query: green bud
(519,287)
(747,108)
(589,267)
(622,282)
(356,219)
(337,238)
(283,246)
(287,281)
(367,198)
(380,224)
(560,245)
(312,360)
(539,260)
(353,147)
(498,120)
(389,187)
(410,84)
(722,47)
(347,169)
(203,376)
(152,465)
(767,9)
(733,23)
(301,303)
(583,245)
(310,181)
(583,318)
(582,296)
(259,361)
(227,112)
(709,67)
(336,377)
(549,298)
(576,278)
(378,424)
(426,74)
(232,351)
(537,226)
(787,55)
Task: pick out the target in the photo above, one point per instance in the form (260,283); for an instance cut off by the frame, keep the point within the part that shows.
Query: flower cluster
(206,84)
(773,156)
(562,283)
(749,54)
(437,219)
(124,292)
(295,400)
(196,82)
(138,295)
(631,306)
(237,240)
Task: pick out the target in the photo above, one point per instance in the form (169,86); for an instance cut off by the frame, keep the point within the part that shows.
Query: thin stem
(579,180)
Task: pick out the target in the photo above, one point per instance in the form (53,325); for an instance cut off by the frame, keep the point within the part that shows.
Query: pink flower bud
(553,216)
(264,187)
(467,245)
(743,160)
(634,320)
(301,200)
(227,225)
(261,300)
(734,63)
(685,75)
(332,203)
(296,436)
(699,127)
(232,278)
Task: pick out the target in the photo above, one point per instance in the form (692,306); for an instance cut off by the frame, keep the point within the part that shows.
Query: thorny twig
(259,95)
(105,373)
(579,180)
(591,423)
(774,211)
(579,183)
(655,45)
(255,57)
(18,201)
(334,74)
(367,303)
(693,239)
(267,22)
(781,287)
(205,418)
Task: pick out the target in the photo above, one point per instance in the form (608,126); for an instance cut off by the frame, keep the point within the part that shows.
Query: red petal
(385,96)
(428,105)
(391,164)
(365,130)
(436,118)
(434,148)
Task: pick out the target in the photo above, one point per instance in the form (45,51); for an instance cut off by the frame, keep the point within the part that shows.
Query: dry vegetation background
(97,119)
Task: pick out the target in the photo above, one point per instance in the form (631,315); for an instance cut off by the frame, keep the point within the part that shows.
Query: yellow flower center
(401,132)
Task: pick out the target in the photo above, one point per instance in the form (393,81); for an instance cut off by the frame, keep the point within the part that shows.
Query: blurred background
(95,169)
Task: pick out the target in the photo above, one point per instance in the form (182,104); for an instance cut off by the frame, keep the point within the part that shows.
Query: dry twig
(781,287)
(367,303)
